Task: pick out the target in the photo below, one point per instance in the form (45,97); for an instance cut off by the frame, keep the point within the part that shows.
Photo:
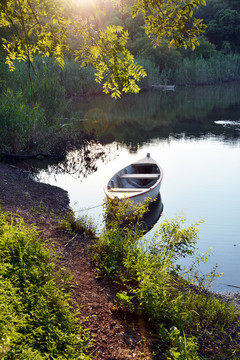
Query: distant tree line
(222,18)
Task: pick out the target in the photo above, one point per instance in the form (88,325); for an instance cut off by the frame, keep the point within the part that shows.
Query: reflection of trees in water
(84,161)
(135,119)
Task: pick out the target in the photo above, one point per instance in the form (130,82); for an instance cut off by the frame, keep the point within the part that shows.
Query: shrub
(188,321)
(82,225)
(48,91)
(19,123)
(36,319)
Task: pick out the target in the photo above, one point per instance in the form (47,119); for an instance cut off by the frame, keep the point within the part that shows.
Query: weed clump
(36,318)
(174,303)
(82,225)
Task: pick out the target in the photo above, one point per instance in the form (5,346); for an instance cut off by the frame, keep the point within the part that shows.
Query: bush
(82,225)
(19,123)
(36,319)
(189,322)
(48,91)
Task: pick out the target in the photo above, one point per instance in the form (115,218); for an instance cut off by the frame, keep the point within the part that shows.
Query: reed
(199,71)
(20,125)
(153,76)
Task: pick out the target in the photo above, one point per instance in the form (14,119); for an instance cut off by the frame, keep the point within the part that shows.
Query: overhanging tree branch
(46,26)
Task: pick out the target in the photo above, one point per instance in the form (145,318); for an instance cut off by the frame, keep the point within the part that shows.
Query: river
(194,134)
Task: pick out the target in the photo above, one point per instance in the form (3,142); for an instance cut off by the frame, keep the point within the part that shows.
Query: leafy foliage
(171,19)
(42,19)
(36,319)
(222,20)
(19,125)
(113,63)
(44,27)
(186,320)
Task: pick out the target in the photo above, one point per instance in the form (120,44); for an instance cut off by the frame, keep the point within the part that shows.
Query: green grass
(20,125)
(81,225)
(36,318)
(197,71)
(186,321)
(43,124)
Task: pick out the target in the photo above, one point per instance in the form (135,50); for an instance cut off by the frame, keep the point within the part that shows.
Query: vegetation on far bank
(108,35)
(37,118)
(81,30)
(51,128)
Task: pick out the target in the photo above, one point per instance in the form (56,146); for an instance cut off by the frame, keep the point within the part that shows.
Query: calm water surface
(194,134)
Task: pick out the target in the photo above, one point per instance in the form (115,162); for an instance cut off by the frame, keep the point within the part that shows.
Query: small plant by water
(185,319)
(82,225)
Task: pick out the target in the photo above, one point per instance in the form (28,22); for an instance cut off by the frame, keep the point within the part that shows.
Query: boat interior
(136,176)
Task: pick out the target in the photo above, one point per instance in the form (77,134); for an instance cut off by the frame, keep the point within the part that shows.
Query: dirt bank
(115,338)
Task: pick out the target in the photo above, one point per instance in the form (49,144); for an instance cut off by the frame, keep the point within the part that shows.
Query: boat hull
(138,182)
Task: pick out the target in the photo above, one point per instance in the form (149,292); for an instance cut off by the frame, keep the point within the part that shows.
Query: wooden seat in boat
(118,189)
(139,176)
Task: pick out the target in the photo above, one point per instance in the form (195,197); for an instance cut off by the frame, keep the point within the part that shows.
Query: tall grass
(153,76)
(187,322)
(38,123)
(78,81)
(36,319)
(199,71)
(48,91)
(20,125)
(25,129)
(52,85)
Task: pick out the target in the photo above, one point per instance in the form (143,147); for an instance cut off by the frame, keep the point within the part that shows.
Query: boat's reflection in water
(152,215)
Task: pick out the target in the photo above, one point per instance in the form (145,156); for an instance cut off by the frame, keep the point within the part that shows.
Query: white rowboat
(138,181)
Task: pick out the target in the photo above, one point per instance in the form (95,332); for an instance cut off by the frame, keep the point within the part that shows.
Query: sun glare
(84,1)
(87,4)
(86,8)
